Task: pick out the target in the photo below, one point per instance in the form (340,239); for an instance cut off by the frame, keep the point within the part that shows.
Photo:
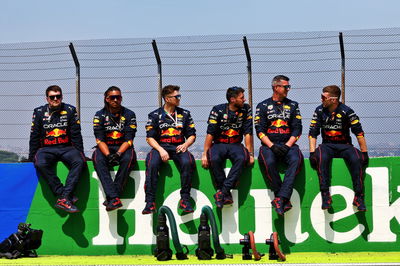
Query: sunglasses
(114,97)
(178,97)
(286,87)
(324,98)
(55,97)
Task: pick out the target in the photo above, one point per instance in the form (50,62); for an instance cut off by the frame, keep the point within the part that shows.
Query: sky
(51,20)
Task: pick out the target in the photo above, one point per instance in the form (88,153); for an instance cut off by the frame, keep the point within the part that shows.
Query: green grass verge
(311,257)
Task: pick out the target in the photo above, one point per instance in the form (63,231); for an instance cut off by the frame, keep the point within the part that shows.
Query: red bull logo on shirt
(115,135)
(170,132)
(56,133)
(333,133)
(279,123)
(230,133)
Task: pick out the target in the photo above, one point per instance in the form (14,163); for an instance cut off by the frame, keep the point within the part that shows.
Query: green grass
(311,257)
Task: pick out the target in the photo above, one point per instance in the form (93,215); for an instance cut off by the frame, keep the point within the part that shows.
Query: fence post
(78,78)
(157,55)
(343,68)
(249,73)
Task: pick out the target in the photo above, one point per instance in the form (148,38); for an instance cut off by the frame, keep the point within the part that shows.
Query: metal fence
(204,67)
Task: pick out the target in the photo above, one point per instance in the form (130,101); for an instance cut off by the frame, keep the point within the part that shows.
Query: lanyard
(176,117)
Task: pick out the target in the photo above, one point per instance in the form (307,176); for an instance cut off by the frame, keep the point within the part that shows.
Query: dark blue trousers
(293,159)
(113,188)
(352,156)
(47,157)
(186,165)
(218,154)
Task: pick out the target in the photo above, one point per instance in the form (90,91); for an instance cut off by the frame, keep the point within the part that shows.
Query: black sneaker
(228,200)
(277,203)
(113,204)
(105,203)
(287,205)
(359,203)
(66,205)
(149,208)
(74,199)
(219,199)
(185,205)
(326,200)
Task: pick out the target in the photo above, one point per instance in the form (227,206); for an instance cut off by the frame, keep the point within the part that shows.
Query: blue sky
(51,20)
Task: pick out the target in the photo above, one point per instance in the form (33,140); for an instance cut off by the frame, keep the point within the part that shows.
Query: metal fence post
(78,79)
(249,73)
(157,55)
(343,68)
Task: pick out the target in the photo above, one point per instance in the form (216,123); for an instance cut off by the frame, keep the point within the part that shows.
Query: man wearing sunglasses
(335,120)
(114,128)
(56,136)
(278,125)
(170,132)
(227,124)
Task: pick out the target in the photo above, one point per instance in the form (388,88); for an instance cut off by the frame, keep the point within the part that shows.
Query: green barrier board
(305,228)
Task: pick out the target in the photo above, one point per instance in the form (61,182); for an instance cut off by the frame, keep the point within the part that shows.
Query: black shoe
(219,199)
(277,203)
(359,203)
(185,205)
(287,205)
(149,208)
(113,204)
(105,203)
(326,200)
(66,205)
(73,199)
(228,200)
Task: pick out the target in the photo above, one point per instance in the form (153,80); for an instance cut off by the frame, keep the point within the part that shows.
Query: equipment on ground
(248,243)
(275,252)
(163,251)
(204,251)
(23,243)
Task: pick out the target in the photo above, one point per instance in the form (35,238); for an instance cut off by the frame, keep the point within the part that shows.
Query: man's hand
(313,160)
(278,150)
(284,149)
(204,161)
(164,155)
(365,159)
(251,160)
(181,148)
(113,159)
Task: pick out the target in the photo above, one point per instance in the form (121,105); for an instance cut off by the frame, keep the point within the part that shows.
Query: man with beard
(228,123)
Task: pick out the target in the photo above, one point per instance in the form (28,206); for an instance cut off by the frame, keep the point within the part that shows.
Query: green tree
(8,157)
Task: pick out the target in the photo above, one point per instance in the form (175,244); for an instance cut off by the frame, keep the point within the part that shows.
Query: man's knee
(78,162)
(216,160)
(267,159)
(240,159)
(153,161)
(186,162)
(354,161)
(42,165)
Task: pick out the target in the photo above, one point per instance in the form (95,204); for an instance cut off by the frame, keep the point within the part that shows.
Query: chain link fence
(204,67)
